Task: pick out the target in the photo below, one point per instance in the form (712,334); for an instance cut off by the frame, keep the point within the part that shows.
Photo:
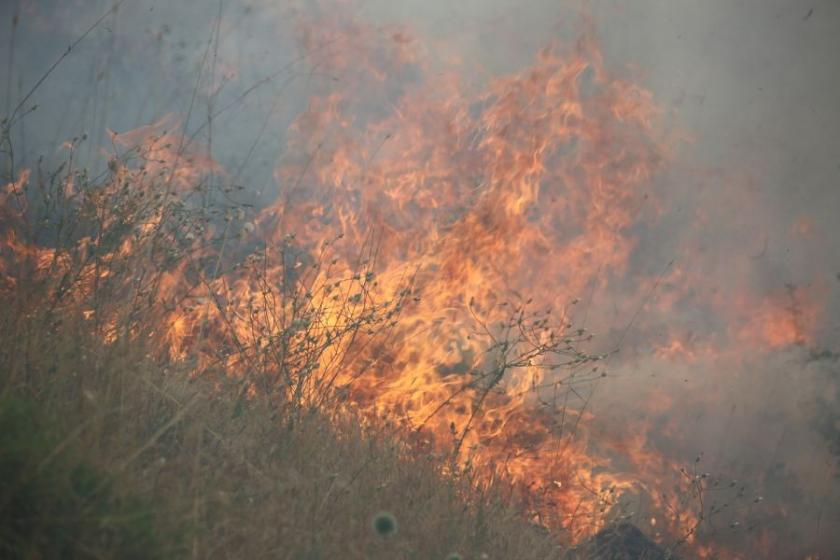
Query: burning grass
(120,442)
(383,359)
(172,388)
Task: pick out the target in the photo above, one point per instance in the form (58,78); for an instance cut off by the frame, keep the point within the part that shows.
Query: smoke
(727,311)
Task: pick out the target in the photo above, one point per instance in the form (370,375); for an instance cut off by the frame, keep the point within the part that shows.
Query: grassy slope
(104,455)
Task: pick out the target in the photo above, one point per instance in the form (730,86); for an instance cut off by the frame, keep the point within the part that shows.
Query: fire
(423,261)
(677,348)
(524,188)
(478,217)
(787,319)
(167,153)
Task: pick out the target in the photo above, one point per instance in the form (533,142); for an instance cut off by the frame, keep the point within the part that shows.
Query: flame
(528,188)
(789,318)
(423,261)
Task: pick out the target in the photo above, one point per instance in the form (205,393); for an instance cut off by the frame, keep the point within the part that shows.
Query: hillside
(106,455)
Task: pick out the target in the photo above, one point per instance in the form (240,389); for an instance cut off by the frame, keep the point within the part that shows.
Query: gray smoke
(752,198)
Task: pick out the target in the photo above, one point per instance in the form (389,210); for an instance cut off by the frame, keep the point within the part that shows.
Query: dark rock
(619,542)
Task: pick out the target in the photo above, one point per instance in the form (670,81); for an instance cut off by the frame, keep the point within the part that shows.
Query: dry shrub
(115,449)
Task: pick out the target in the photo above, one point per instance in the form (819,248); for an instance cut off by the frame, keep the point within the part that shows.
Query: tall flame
(423,261)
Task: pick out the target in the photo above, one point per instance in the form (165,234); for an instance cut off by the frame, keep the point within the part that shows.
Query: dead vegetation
(150,409)
(112,450)
(106,455)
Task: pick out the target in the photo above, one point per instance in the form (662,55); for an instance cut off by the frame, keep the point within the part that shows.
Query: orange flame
(472,223)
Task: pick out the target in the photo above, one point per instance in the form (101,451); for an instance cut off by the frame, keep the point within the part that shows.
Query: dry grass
(188,469)
(233,441)
(112,448)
